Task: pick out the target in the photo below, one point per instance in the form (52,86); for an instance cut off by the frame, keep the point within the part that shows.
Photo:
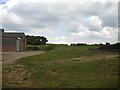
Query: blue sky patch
(87,16)
(62,30)
(58,28)
(3,1)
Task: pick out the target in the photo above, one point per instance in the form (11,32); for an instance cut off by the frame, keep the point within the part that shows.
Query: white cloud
(60,40)
(93,23)
(75,22)
(43,31)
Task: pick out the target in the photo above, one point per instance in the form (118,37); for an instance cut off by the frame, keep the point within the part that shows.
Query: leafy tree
(36,40)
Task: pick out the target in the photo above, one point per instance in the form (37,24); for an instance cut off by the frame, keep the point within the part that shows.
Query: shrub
(32,48)
(35,48)
(50,47)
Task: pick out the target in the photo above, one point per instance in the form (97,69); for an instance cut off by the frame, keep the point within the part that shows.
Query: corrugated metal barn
(13,41)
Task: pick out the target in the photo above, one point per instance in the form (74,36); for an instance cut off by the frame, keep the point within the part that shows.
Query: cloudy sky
(65,22)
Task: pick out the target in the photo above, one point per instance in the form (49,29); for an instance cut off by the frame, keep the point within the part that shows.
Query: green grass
(62,52)
(47,70)
(71,75)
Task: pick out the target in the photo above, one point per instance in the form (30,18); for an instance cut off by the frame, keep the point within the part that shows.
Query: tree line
(85,44)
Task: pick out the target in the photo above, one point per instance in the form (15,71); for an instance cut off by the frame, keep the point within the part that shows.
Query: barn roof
(20,35)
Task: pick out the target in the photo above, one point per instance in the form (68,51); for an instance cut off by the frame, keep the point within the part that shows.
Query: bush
(40,47)
(33,48)
(50,47)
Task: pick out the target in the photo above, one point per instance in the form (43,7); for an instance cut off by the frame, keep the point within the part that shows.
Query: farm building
(13,41)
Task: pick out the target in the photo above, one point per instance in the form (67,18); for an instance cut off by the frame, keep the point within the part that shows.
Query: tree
(36,40)
(107,43)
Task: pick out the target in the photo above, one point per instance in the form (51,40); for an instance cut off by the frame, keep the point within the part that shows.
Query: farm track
(11,57)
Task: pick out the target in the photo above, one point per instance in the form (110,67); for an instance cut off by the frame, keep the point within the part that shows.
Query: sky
(62,21)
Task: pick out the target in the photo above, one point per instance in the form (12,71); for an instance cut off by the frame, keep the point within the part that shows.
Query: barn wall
(9,49)
(24,45)
(21,45)
(9,41)
(9,44)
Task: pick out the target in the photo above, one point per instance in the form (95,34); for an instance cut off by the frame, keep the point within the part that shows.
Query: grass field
(64,67)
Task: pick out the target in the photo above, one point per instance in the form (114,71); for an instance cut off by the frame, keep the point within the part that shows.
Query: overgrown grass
(47,70)
(71,75)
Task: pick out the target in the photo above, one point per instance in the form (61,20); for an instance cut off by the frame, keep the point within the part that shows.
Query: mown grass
(47,70)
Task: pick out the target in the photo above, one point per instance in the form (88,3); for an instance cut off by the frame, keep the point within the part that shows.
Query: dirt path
(11,57)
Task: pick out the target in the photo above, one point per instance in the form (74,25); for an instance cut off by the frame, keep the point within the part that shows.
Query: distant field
(64,67)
